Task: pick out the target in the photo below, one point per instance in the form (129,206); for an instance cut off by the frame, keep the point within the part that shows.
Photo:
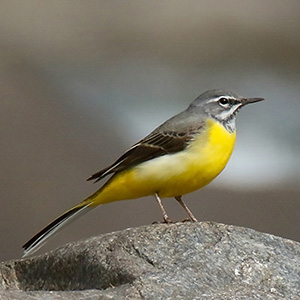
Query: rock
(177,261)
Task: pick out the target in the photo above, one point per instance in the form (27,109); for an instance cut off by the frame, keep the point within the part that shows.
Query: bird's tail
(71,215)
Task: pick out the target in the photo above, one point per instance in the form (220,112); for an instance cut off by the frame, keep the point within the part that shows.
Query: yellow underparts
(173,174)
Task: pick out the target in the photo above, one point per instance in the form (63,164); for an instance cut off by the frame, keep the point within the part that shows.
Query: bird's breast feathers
(192,168)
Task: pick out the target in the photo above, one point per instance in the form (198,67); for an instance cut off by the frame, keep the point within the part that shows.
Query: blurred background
(81,81)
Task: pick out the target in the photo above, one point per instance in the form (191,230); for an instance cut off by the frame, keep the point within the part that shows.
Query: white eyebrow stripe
(217,99)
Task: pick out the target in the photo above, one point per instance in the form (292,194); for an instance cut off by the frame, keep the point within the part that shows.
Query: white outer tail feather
(36,243)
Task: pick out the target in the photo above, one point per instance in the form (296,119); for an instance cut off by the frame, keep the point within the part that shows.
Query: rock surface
(177,261)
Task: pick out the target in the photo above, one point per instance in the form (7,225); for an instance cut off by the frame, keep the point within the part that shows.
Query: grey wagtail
(182,155)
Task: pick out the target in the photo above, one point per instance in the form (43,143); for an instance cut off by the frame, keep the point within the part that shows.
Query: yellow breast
(210,153)
(175,174)
(200,163)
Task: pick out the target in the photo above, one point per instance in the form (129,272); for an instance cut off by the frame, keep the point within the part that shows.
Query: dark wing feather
(154,145)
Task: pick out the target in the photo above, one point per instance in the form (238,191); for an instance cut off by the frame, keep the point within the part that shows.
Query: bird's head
(221,105)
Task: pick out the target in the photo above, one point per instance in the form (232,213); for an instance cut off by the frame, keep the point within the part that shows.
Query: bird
(180,156)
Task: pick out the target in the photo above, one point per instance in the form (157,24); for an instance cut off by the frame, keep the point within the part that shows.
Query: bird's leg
(165,216)
(190,214)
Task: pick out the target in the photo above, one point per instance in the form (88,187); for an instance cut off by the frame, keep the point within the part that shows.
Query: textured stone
(177,261)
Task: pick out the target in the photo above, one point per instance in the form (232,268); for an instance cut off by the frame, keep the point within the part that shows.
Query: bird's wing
(154,145)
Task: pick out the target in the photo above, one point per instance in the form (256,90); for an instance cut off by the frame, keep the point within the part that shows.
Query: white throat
(230,124)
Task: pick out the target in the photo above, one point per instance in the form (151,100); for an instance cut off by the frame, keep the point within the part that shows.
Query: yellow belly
(174,174)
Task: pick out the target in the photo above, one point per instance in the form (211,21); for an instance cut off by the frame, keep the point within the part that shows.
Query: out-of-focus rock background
(81,81)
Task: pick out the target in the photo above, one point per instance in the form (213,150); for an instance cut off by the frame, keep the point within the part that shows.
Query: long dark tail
(69,216)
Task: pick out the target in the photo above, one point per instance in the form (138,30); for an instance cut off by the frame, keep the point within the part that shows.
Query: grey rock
(178,261)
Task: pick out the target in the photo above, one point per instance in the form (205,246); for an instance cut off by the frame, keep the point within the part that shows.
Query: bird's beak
(251,100)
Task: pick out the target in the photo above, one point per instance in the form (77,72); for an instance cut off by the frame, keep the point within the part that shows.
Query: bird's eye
(223,101)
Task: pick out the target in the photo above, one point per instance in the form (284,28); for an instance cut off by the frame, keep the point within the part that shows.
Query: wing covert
(154,145)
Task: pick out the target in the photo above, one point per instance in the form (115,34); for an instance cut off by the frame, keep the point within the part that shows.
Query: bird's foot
(165,221)
(186,220)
